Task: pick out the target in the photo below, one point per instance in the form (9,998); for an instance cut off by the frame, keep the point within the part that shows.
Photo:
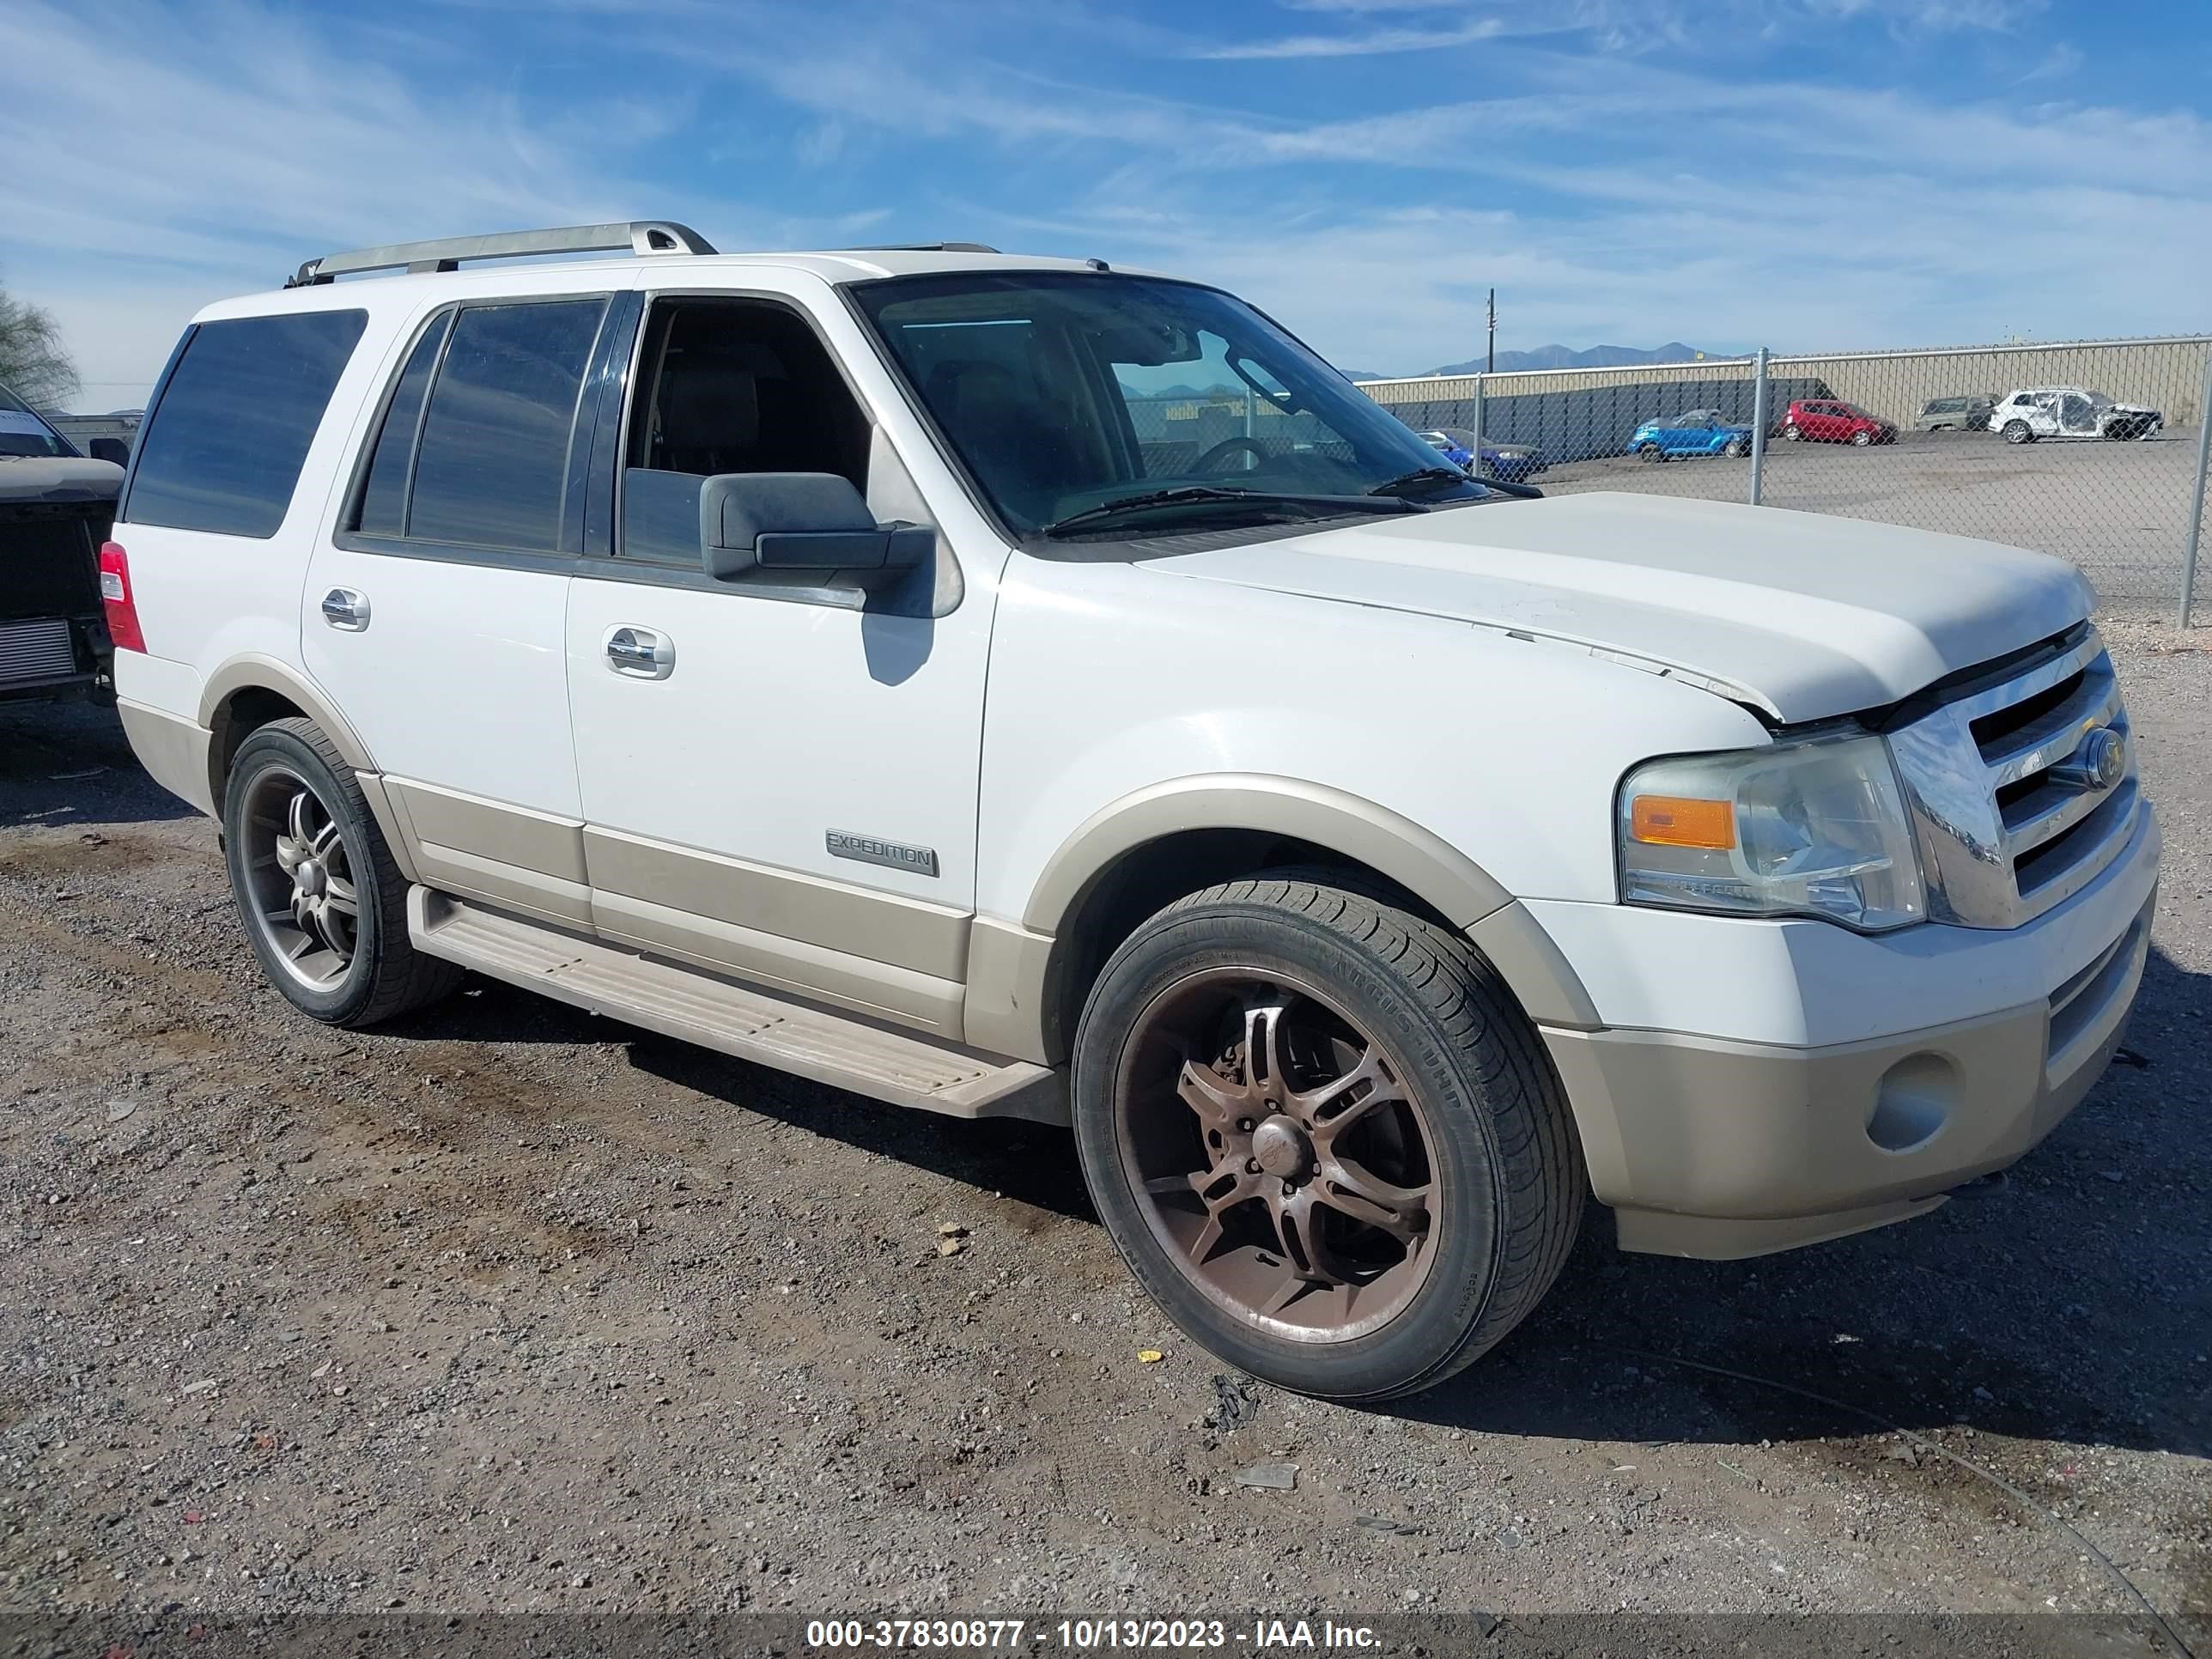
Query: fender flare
(254,672)
(1011,966)
(1423,863)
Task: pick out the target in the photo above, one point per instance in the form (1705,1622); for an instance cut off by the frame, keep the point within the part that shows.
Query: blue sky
(1807,173)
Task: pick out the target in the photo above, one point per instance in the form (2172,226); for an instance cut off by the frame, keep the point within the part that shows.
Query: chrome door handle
(345,610)
(640,654)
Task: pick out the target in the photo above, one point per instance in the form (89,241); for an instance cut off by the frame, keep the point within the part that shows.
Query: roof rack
(643,237)
(923,247)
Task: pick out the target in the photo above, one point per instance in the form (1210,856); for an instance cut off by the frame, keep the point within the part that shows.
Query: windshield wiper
(1492,489)
(1183,494)
(1419,475)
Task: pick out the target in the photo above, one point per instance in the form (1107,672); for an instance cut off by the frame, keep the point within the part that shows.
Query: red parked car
(1825,421)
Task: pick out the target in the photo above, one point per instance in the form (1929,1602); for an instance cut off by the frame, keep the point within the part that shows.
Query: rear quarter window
(222,450)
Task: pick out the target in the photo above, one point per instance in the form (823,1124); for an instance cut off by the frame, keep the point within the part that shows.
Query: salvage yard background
(508,1307)
(2121,511)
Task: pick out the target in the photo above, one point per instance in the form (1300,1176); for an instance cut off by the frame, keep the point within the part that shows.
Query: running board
(790,1036)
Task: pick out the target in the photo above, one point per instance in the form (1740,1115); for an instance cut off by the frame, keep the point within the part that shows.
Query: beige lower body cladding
(1720,1149)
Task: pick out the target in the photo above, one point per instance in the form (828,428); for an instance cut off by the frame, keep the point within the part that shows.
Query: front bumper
(1718,1146)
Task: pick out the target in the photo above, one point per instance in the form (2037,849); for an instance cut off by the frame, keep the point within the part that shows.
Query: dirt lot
(509,1308)
(2119,510)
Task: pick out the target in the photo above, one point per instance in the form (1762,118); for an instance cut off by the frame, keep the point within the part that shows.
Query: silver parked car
(1960,414)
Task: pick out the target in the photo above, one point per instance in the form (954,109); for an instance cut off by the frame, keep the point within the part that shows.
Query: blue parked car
(1698,432)
(1513,463)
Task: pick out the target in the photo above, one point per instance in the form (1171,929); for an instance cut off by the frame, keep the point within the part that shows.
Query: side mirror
(807,521)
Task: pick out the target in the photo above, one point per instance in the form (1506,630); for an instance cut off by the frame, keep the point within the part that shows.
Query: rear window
(492,467)
(222,450)
(23,433)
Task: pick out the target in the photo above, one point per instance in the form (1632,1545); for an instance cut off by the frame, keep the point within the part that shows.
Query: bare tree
(34,364)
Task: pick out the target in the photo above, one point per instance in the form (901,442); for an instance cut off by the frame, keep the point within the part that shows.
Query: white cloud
(1372,44)
(2061,60)
(157,161)
(1647,200)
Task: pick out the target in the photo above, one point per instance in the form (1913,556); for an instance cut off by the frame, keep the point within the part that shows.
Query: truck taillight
(122,607)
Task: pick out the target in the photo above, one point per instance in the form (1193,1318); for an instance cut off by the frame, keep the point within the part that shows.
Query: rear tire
(324,905)
(1377,1199)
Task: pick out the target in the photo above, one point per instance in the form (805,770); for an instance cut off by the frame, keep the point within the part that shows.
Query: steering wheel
(1209,464)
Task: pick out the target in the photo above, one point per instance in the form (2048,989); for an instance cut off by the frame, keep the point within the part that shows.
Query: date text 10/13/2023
(1088,1635)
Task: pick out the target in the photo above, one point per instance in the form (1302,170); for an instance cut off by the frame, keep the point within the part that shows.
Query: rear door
(434,613)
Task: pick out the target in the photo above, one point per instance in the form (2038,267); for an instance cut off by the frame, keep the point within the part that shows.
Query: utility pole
(1491,365)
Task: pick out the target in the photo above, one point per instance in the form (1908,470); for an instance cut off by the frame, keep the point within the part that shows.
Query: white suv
(853,662)
(2070,411)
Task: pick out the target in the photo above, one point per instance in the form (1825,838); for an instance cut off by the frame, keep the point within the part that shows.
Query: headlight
(1813,828)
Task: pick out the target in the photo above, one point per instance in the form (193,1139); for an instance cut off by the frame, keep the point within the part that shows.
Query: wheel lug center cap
(1282,1149)
(312,879)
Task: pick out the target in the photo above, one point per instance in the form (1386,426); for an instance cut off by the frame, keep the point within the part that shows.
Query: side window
(728,386)
(382,510)
(222,450)
(493,466)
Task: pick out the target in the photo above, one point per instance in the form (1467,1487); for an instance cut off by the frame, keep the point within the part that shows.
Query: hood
(1800,615)
(58,478)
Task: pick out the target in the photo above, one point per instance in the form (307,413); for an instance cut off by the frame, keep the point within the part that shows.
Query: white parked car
(2070,411)
(799,654)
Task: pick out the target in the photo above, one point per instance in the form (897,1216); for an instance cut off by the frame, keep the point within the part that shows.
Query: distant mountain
(1559,357)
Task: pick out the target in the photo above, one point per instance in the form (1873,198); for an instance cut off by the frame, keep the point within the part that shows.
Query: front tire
(1794,434)
(1862,438)
(1651,453)
(1323,1137)
(2016,432)
(1733,448)
(324,907)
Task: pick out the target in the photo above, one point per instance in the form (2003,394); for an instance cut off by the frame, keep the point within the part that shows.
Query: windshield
(22,432)
(1064,392)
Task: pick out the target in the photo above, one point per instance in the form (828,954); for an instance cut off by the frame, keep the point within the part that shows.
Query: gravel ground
(506,1307)
(2119,510)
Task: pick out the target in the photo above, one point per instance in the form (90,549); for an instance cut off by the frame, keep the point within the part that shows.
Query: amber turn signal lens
(1674,821)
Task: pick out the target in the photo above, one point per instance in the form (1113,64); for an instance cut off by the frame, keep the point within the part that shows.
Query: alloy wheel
(1280,1157)
(300,895)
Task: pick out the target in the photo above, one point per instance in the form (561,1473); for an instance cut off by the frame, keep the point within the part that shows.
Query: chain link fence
(2092,451)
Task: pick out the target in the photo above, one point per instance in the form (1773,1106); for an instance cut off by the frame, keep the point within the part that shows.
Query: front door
(434,614)
(775,783)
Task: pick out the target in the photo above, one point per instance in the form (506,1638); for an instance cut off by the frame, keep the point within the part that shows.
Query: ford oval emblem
(2108,757)
(2099,763)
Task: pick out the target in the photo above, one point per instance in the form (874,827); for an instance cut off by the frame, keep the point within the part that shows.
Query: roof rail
(923,247)
(642,237)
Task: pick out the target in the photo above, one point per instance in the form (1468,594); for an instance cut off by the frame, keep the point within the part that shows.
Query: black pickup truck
(55,507)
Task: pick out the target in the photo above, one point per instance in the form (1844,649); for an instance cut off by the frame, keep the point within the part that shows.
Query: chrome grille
(36,650)
(2007,824)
